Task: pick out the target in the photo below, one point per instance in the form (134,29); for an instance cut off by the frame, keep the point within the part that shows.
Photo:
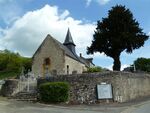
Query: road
(11,106)
(139,108)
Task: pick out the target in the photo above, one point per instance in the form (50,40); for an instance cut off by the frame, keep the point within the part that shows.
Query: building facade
(53,57)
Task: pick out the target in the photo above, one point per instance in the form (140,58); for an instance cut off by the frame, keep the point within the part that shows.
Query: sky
(25,23)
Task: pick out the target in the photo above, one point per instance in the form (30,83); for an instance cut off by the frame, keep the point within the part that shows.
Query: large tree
(116,33)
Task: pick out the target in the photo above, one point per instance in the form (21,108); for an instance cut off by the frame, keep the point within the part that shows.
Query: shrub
(94,69)
(54,92)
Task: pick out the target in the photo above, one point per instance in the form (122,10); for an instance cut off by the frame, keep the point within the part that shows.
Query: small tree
(116,33)
(142,64)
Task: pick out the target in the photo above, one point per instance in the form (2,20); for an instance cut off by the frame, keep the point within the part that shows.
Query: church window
(67,69)
(46,66)
(47,61)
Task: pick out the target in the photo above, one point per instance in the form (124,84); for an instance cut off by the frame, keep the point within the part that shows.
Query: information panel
(104,91)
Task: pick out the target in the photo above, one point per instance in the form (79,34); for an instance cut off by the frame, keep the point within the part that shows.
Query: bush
(94,69)
(54,92)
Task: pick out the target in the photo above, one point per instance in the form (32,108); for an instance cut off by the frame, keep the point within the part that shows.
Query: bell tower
(69,42)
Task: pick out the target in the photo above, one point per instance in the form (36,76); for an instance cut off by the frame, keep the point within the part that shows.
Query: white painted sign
(104,91)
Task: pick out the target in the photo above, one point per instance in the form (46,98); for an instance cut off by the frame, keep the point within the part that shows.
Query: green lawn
(10,74)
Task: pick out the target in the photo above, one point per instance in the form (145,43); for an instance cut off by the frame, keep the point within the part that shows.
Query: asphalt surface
(12,106)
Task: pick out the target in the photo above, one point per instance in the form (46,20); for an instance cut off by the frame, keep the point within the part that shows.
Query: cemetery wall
(125,86)
(9,87)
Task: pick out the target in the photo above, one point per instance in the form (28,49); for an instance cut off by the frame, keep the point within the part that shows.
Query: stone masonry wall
(73,65)
(49,49)
(9,88)
(125,86)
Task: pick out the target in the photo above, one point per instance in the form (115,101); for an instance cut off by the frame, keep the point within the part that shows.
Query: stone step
(25,96)
(31,100)
(31,88)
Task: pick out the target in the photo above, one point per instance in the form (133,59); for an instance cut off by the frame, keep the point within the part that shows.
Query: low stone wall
(9,88)
(125,86)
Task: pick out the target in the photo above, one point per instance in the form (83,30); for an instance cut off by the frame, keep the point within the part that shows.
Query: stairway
(25,96)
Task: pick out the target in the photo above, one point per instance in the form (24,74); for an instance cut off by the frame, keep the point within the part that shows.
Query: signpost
(104,91)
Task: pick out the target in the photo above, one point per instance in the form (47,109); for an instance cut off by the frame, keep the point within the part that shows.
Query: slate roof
(68,39)
(67,51)
(86,61)
(74,55)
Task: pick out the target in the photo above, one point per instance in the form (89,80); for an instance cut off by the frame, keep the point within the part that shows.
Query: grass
(8,74)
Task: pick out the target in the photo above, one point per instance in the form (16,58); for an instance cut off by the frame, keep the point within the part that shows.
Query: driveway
(12,106)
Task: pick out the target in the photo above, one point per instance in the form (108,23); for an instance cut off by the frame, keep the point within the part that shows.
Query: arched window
(47,61)
(46,66)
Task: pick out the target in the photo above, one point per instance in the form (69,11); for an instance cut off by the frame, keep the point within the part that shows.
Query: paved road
(11,106)
(139,108)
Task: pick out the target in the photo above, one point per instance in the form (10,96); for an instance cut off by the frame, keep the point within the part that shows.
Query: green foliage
(54,92)
(26,63)
(9,61)
(11,64)
(116,33)
(8,74)
(94,69)
(142,64)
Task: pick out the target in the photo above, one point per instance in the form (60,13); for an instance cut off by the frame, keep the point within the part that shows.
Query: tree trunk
(117,63)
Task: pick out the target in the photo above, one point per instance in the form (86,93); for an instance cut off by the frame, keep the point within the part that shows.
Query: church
(55,58)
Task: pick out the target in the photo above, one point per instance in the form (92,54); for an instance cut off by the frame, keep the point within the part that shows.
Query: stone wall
(125,86)
(48,49)
(74,66)
(9,88)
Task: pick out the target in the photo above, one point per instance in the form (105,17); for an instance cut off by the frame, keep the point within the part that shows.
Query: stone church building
(53,57)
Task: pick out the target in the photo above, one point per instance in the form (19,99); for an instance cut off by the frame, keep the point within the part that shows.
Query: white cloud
(9,11)
(28,31)
(100,2)
(110,67)
(122,66)
(64,14)
(88,2)
(149,34)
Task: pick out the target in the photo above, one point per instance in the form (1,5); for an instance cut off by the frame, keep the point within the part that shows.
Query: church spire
(68,39)
(69,42)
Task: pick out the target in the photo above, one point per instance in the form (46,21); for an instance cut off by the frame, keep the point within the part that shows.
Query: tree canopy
(11,62)
(116,33)
(142,64)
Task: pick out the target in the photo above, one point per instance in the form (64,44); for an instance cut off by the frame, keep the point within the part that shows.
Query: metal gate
(27,83)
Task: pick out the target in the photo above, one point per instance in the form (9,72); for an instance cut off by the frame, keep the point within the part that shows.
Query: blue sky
(25,23)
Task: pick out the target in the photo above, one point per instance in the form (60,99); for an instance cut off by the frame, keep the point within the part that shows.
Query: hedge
(54,92)
(95,69)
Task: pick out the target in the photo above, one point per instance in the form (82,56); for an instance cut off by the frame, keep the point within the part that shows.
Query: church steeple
(69,42)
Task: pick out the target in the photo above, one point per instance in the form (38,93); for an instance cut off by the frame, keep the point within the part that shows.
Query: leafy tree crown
(116,33)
